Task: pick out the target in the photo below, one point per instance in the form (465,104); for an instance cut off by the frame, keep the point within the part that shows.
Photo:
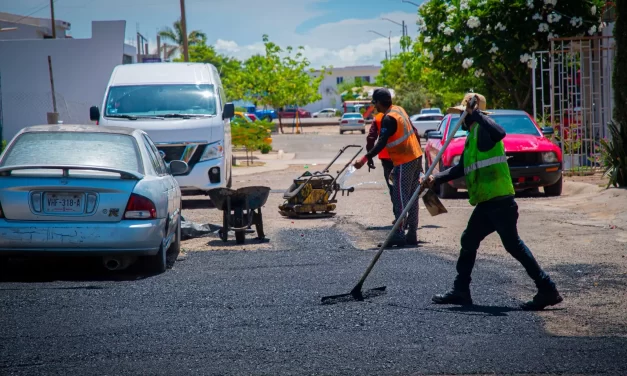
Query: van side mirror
(547,131)
(178,167)
(94,113)
(229,111)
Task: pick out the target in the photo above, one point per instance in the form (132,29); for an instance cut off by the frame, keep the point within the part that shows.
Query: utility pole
(184,31)
(54,26)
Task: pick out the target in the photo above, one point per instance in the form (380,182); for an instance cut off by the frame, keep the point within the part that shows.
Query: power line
(35,11)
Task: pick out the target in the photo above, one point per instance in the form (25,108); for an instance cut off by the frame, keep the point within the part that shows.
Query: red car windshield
(513,124)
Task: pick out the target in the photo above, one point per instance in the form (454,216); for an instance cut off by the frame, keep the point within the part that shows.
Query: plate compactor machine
(312,195)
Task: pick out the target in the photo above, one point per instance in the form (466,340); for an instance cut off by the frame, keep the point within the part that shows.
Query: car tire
(157,264)
(267,118)
(175,248)
(341,132)
(363,131)
(555,189)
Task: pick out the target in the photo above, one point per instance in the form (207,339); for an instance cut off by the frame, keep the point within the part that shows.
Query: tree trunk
(280,123)
(619,78)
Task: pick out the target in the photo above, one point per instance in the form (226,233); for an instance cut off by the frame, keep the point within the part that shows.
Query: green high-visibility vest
(487,173)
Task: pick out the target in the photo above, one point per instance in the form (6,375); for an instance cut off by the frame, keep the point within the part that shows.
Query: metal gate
(572,92)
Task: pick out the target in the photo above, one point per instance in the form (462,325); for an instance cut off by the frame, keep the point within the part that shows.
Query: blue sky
(334,32)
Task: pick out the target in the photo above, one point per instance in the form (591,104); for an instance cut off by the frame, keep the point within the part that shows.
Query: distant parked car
(89,190)
(534,161)
(327,112)
(431,111)
(264,114)
(252,117)
(290,112)
(352,122)
(423,123)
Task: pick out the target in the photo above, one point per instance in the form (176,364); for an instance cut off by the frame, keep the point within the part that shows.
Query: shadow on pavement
(76,269)
(191,204)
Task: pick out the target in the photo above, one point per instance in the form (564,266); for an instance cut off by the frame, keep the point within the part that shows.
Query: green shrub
(3,145)
(614,155)
(265,148)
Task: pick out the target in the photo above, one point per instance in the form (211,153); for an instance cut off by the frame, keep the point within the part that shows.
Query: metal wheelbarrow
(241,209)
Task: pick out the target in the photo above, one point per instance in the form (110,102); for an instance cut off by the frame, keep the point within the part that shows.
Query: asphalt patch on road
(233,313)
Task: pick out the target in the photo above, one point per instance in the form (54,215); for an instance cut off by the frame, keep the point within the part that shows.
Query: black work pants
(500,215)
(388,166)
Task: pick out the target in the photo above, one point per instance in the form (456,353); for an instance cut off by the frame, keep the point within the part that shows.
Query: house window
(365,79)
(127,59)
(339,80)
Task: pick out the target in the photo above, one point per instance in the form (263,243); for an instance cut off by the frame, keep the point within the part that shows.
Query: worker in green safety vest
(490,188)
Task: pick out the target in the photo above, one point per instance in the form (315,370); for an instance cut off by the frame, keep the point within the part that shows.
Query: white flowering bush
(495,39)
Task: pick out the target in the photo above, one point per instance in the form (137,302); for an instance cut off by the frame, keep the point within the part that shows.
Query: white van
(183,109)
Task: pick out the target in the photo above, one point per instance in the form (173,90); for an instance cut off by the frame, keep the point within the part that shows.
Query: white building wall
(328,88)
(30,27)
(81,69)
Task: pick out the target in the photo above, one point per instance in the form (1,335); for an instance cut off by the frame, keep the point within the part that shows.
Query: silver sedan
(83,189)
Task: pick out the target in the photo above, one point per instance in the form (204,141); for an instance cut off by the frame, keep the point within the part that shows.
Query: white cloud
(344,43)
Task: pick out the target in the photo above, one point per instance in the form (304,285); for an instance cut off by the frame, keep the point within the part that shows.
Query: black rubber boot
(542,300)
(453,297)
(411,238)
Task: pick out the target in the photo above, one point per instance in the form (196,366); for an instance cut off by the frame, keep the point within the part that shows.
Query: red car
(534,161)
(252,117)
(288,113)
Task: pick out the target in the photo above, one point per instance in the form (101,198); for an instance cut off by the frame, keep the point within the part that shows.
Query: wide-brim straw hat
(481,105)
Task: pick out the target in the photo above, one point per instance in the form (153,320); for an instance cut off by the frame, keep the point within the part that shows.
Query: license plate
(64,203)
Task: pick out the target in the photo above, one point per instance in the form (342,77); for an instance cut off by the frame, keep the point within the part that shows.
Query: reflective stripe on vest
(406,129)
(485,163)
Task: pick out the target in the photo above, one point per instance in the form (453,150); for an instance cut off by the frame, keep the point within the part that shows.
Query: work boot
(411,238)
(542,300)
(453,297)
(397,240)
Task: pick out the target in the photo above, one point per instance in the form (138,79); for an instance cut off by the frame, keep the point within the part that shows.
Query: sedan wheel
(555,189)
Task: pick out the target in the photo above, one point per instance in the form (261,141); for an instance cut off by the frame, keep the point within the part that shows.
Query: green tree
(495,39)
(281,78)
(351,88)
(175,35)
(230,69)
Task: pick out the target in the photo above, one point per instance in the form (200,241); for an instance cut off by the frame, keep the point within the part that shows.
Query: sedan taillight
(360,121)
(140,207)
(344,121)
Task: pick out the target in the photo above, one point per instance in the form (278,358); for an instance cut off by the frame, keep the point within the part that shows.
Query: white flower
(525,58)
(467,39)
(441,26)
(431,56)
(467,63)
(446,48)
(463,5)
(458,48)
(448,31)
(543,27)
(551,36)
(482,3)
(530,4)
(427,39)
(532,64)
(550,2)
(451,9)
(479,73)
(593,10)
(450,17)
(473,22)
(553,17)
(601,26)
(494,49)
(536,16)
(500,26)
(576,21)
(592,30)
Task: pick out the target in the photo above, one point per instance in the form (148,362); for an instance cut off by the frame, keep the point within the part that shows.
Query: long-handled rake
(357,293)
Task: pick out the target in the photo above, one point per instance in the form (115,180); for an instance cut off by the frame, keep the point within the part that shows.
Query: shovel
(356,294)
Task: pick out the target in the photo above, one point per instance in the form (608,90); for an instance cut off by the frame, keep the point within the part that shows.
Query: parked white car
(326,113)
(352,122)
(182,106)
(431,111)
(424,123)
(89,190)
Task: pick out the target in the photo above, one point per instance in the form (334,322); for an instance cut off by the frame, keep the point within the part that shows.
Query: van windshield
(160,100)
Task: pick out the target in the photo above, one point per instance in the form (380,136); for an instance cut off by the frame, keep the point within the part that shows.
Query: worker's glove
(360,162)
(371,165)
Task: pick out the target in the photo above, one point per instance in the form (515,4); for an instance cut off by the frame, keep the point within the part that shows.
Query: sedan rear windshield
(352,116)
(155,100)
(513,124)
(74,148)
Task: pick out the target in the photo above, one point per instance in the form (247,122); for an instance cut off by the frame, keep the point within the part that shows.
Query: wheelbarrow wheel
(224,231)
(240,235)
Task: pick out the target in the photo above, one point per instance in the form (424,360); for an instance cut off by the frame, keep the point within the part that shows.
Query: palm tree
(175,36)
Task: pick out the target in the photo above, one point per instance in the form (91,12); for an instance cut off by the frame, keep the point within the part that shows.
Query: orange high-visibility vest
(377,122)
(402,146)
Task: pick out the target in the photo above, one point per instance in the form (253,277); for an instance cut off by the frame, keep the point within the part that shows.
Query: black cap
(381,95)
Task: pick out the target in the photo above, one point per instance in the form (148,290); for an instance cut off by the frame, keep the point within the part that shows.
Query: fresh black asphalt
(240,313)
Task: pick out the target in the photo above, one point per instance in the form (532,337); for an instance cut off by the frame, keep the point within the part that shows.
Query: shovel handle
(412,200)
